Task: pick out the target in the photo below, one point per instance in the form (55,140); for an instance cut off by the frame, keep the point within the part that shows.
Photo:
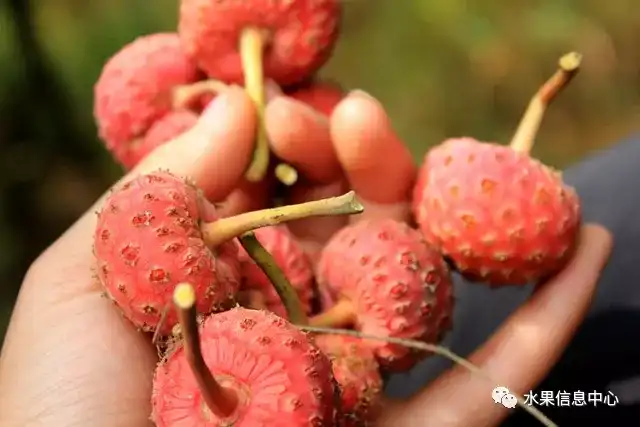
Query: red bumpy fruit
(291,259)
(135,89)
(499,215)
(391,282)
(147,240)
(321,96)
(299,35)
(278,375)
(357,372)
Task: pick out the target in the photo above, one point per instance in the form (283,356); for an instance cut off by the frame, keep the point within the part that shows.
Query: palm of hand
(69,358)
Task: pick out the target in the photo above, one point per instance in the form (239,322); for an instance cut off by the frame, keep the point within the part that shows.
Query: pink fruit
(299,35)
(279,377)
(135,89)
(147,240)
(357,372)
(390,283)
(499,215)
(290,257)
(170,126)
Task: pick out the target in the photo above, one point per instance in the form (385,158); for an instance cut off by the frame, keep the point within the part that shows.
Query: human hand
(70,359)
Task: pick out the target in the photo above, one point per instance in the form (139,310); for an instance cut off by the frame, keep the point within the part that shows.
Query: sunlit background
(442,68)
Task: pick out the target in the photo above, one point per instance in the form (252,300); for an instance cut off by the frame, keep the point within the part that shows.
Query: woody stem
(221,401)
(525,134)
(224,229)
(286,292)
(184,94)
(252,44)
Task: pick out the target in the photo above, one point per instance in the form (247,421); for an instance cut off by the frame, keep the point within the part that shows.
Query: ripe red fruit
(291,259)
(322,96)
(157,230)
(148,240)
(165,129)
(499,215)
(277,375)
(135,89)
(390,283)
(299,36)
(248,41)
(357,372)
(502,217)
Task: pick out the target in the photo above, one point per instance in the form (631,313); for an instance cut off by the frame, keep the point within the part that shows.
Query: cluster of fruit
(155,87)
(226,298)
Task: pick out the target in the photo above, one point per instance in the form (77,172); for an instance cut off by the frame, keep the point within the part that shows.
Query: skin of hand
(70,359)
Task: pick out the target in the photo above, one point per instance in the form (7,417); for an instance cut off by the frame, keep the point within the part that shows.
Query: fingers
(378,165)
(248,196)
(522,351)
(300,136)
(217,150)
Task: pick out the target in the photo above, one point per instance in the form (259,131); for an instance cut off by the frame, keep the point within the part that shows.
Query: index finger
(521,352)
(300,136)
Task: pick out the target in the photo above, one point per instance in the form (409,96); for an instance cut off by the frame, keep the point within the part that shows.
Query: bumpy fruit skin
(322,96)
(302,35)
(134,90)
(281,377)
(500,216)
(168,127)
(357,372)
(147,241)
(290,257)
(399,285)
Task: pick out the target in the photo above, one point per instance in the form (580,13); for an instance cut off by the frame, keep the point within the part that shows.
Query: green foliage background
(442,68)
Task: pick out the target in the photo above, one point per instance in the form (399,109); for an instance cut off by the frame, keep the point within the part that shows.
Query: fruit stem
(339,315)
(286,292)
(286,174)
(224,229)
(185,94)
(525,134)
(433,348)
(252,44)
(220,400)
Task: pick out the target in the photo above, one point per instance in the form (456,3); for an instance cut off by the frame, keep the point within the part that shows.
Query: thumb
(216,151)
(214,154)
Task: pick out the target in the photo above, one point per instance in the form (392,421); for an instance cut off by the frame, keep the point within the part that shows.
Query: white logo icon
(509,401)
(498,393)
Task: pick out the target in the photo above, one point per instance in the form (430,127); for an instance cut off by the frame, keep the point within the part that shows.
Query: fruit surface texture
(147,241)
(135,89)
(300,35)
(281,378)
(291,259)
(501,216)
(398,284)
(357,373)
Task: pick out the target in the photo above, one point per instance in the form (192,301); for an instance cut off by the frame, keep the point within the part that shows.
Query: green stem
(287,293)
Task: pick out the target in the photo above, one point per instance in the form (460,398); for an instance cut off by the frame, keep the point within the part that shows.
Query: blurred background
(442,68)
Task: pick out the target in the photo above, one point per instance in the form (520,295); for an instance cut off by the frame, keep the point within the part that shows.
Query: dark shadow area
(603,352)
(39,136)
